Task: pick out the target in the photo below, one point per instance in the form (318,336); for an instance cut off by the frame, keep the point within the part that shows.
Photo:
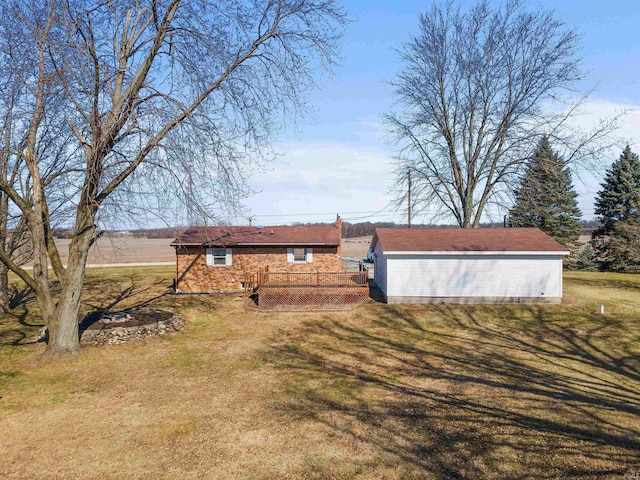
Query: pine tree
(619,198)
(616,242)
(586,260)
(623,252)
(546,197)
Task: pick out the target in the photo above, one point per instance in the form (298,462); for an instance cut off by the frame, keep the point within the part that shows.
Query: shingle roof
(230,236)
(465,240)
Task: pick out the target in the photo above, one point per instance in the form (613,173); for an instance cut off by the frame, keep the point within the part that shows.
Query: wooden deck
(281,290)
(317,279)
(267,279)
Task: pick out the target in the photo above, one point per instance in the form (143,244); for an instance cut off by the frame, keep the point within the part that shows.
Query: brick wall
(195,276)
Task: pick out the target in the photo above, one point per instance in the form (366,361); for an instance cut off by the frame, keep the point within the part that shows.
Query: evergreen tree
(619,198)
(617,241)
(546,198)
(586,260)
(623,252)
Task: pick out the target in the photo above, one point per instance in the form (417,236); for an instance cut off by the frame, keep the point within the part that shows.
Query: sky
(338,161)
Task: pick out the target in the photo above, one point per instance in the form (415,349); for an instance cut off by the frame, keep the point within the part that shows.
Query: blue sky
(339,162)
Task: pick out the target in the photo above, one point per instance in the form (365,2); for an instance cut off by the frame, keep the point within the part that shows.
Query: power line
(316,214)
(376,213)
(356,216)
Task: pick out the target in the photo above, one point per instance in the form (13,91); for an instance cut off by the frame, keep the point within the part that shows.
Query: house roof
(230,236)
(417,240)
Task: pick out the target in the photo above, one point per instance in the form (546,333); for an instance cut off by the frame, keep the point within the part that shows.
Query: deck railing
(312,279)
(267,279)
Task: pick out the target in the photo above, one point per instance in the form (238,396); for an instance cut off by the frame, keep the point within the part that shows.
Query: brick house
(217,259)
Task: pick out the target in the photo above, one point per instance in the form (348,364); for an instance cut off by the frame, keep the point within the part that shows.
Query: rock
(113,334)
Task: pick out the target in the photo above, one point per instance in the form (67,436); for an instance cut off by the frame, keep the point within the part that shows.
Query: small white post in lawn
(602,309)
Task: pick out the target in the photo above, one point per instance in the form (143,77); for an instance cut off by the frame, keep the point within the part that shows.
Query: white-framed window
(219,257)
(299,255)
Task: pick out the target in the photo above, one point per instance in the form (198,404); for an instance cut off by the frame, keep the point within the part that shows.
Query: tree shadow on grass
(118,296)
(134,293)
(23,324)
(473,391)
(20,294)
(618,282)
(19,326)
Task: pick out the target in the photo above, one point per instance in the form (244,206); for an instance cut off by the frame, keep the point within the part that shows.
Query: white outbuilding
(463,265)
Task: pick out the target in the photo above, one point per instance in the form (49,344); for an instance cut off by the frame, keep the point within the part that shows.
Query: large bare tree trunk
(63,324)
(4,270)
(467,214)
(4,288)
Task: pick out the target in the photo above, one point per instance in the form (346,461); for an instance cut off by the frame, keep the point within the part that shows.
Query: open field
(356,247)
(127,249)
(124,249)
(383,391)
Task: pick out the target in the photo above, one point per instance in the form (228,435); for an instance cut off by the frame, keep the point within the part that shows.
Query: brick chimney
(338,225)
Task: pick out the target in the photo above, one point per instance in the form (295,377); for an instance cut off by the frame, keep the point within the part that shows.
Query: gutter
(314,244)
(480,252)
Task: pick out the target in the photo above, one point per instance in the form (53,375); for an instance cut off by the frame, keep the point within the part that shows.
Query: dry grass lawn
(383,391)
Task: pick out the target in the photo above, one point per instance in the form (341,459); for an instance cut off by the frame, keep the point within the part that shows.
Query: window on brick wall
(219,257)
(300,255)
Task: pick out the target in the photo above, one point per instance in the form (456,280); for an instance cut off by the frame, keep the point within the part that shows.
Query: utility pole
(409,197)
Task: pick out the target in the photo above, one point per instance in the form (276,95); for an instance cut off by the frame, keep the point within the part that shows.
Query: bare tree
(180,91)
(11,234)
(473,94)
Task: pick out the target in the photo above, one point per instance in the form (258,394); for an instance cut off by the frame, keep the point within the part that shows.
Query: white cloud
(312,178)
(355,175)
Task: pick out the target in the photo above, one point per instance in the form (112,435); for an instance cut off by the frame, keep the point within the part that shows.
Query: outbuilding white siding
(380,269)
(469,277)
(468,265)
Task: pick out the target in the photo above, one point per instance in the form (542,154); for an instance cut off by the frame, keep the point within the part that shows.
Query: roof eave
(479,252)
(274,244)
(287,244)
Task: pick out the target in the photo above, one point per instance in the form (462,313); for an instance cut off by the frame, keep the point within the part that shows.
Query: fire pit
(115,317)
(111,328)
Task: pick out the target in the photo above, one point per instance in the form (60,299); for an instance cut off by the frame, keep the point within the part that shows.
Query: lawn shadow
(447,392)
(23,325)
(134,296)
(19,326)
(618,282)
(107,296)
